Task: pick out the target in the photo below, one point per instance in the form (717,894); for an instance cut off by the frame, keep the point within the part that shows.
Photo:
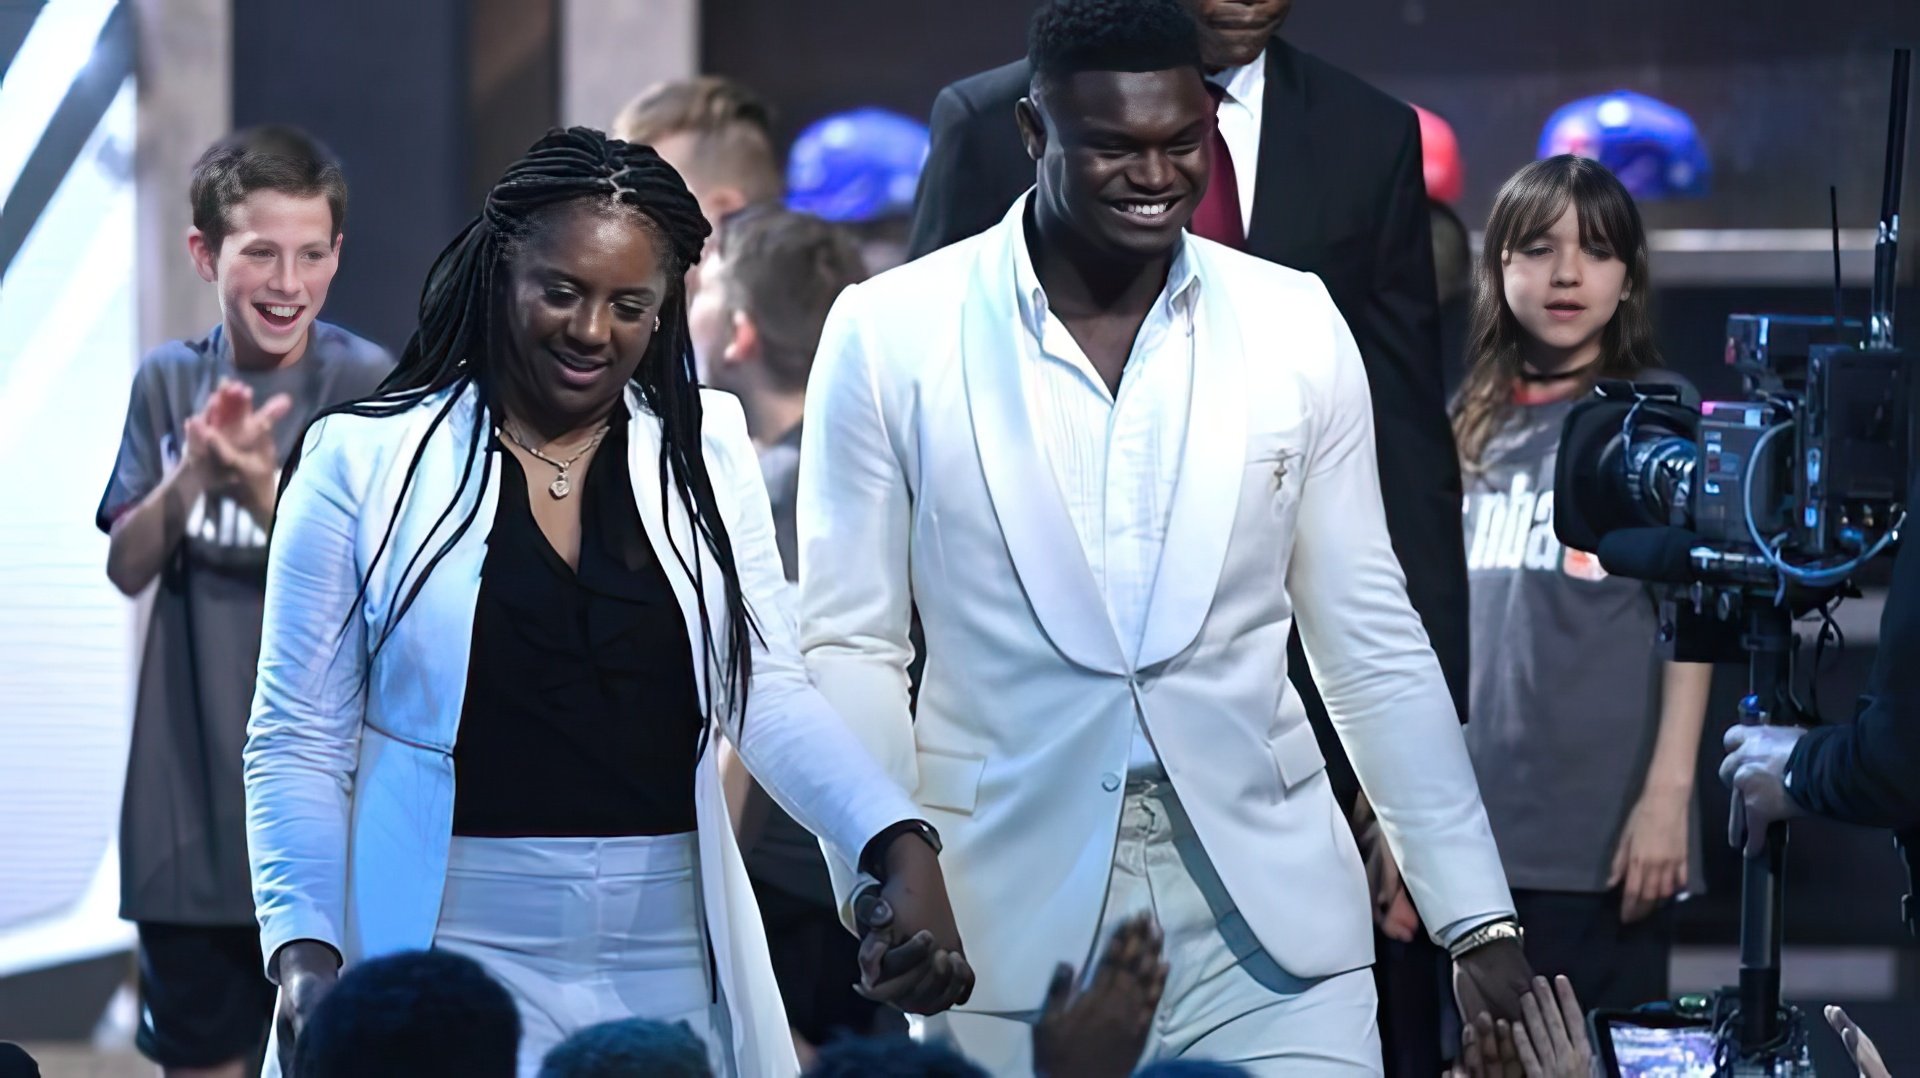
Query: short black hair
(274,157)
(629,1046)
(1069,36)
(890,1057)
(412,1015)
(16,1063)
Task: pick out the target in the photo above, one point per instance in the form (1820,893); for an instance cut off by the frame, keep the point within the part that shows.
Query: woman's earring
(656,323)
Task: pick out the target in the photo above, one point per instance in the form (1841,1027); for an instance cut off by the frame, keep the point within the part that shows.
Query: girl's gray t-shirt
(1564,694)
(183,848)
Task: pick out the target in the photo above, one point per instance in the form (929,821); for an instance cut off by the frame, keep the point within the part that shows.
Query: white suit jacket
(350,793)
(923,481)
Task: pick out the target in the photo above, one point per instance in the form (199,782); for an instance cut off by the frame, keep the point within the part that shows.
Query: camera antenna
(1886,245)
(1839,308)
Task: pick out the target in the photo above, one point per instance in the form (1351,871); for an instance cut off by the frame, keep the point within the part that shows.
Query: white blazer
(923,482)
(350,792)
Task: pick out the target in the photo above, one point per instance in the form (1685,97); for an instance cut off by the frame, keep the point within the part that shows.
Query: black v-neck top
(581,716)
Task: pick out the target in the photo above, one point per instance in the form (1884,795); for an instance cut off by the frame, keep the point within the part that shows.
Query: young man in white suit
(1109,462)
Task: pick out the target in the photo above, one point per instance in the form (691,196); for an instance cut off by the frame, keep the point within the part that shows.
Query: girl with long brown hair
(1583,740)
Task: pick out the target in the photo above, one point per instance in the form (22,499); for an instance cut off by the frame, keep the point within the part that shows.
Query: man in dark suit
(1866,773)
(1322,172)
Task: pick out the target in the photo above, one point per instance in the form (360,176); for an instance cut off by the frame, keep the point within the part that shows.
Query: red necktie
(1218,215)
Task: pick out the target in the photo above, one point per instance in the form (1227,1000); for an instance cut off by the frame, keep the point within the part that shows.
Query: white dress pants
(1226,1000)
(586,930)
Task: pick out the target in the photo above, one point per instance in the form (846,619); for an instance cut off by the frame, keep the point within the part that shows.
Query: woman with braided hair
(510,599)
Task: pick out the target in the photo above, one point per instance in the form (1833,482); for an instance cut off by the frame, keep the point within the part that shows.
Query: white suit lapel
(1040,538)
(671,532)
(1206,497)
(431,647)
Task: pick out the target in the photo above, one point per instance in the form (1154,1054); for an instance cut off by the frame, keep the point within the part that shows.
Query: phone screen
(1655,1052)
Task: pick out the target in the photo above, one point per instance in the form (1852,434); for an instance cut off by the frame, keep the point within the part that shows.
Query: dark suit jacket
(1338,192)
(1869,773)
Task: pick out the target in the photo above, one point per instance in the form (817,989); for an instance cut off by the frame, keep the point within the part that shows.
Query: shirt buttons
(1109,782)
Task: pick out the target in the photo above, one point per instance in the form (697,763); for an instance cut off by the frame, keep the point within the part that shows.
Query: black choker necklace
(1537,378)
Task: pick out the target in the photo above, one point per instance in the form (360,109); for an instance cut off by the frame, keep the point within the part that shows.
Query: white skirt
(586,930)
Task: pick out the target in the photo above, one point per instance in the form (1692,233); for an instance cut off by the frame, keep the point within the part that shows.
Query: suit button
(1109,782)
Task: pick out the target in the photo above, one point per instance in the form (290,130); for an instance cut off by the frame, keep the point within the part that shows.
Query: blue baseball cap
(1651,146)
(855,166)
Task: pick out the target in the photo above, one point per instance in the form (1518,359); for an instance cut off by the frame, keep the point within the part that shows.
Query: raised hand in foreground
(1866,1057)
(1550,1041)
(1100,1030)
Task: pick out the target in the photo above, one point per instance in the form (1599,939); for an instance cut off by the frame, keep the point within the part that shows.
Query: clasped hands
(910,951)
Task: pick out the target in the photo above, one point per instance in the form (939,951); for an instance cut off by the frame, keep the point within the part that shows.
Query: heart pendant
(560,488)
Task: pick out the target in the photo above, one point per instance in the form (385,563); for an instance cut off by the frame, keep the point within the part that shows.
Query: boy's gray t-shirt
(1564,693)
(183,850)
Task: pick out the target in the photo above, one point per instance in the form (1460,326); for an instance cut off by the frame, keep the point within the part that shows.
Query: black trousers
(203,998)
(1611,964)
(816,963)
(1418,1023)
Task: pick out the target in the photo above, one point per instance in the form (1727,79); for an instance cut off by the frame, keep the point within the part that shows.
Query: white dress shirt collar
(1245,84)
(1181,292)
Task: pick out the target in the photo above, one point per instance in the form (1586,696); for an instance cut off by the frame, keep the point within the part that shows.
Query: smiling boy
(189,504)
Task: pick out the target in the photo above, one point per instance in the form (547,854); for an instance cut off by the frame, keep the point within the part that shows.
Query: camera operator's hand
(1650,862)
(1756,769)
(1865,1056)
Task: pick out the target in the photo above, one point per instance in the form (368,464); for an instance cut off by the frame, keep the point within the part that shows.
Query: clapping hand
(232,441)
(1102,1029)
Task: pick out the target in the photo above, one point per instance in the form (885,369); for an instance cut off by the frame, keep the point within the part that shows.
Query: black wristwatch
(873,858)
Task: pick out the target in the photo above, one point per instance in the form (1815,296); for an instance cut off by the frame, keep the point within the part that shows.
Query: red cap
(1440,157)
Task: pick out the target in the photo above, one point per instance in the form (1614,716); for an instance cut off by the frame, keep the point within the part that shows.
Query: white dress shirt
(1240,110)
(1115,458)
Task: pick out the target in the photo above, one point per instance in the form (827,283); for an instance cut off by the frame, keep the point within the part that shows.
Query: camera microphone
(1661,554)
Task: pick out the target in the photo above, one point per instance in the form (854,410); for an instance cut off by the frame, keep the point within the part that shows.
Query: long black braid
(461,333)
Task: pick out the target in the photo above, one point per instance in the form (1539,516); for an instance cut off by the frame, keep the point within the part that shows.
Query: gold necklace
(561,485)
